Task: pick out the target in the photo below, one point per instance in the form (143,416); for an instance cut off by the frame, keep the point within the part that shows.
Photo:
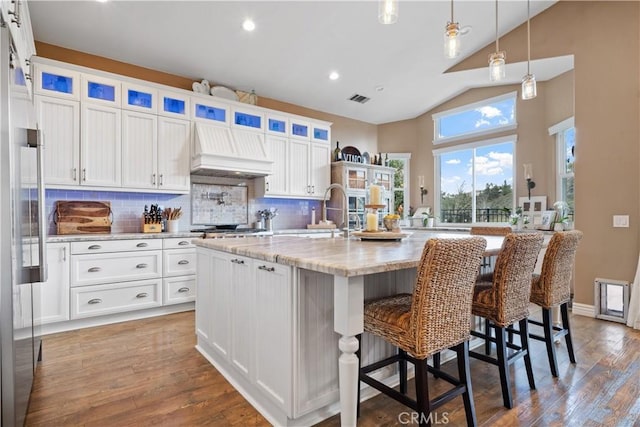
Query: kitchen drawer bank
(114,278)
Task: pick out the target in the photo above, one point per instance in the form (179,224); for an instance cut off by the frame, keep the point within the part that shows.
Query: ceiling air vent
(361,99)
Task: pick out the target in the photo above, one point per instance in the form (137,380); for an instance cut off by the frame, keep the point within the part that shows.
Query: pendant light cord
(451,11)
(528,38)
(497,45)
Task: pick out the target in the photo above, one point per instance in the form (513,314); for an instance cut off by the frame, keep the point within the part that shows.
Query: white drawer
(115,267)
(179,262)
(100,246)
(179,289)
(179,242)
(98,300)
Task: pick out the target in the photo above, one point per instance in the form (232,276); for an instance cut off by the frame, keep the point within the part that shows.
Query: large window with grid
(565,134)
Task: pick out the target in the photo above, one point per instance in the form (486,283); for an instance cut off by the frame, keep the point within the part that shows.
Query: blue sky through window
(481,118)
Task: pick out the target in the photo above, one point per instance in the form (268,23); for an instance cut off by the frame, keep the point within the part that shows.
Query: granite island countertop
(338,256)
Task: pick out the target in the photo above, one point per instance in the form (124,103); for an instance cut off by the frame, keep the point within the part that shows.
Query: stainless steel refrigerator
(22,237)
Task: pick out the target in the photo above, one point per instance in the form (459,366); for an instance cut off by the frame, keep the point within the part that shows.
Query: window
(565,133)
(480,118)
(400,162)
(475,181)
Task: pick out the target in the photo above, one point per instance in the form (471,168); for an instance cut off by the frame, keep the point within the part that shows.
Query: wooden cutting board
(80,217)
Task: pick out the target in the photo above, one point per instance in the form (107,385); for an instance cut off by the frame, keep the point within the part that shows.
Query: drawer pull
(183,290)
(183,262)
(183,243)
(95,247)
(95,301)
(237,261)
(142,265)
(142,295)
(265,268)
(142,245)
(94,269)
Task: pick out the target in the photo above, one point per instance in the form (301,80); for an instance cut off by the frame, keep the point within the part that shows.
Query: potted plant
(428,219)
(562,219)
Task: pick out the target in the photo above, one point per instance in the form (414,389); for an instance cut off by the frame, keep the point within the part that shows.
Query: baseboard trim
(583,309)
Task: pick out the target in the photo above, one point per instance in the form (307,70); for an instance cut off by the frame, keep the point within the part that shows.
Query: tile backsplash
(128,207)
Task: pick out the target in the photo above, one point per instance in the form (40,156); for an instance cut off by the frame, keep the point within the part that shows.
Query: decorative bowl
(391,224)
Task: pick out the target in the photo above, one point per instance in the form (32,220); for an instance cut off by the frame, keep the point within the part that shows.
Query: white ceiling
(295,46)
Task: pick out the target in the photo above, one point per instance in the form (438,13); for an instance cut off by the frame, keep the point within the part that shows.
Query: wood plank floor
(147,372)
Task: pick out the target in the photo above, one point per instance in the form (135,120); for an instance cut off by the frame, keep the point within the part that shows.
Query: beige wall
(604,38)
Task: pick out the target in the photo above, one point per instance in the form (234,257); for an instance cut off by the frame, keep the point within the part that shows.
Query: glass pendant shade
(452,40)
(529,90)
(388,11)
(497,68)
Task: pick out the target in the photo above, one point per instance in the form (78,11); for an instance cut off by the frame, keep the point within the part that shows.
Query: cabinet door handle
(64,253)
(142,265)
(94,270)
(95,247)
(183,262)
(183,290)
(266,187)
(142,295)
(142,245)
(17,19)
(265,268)
(161,179)
(183,243)
(95,301)
(153,179)
(237,261)
(84,174)
(75,174)
(313,189)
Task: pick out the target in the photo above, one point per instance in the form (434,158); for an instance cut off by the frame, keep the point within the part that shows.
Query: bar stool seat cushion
(389,318)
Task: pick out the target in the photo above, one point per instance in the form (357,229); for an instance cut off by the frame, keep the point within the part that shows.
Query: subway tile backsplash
(127,208)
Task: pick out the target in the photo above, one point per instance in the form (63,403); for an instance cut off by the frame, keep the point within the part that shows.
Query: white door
(320,169)
(101,146)
(219,288)
(242,315)
(174,169)
(54,293)
(299,167)
(59,120)
(139,150)
(277,184)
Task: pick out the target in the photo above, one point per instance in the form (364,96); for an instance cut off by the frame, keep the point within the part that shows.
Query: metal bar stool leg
(564,310)
(547,326)
(359,355)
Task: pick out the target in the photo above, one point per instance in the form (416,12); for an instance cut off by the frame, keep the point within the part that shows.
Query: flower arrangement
(562,209)
(268,213)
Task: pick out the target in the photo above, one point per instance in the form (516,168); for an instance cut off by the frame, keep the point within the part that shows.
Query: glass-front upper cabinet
(58,82)
(139,98)
(320,133)
(299,129)
(277,125)
(172,104)
(248,119)
(356,178)
(210,111)
(101,90)
(384,179)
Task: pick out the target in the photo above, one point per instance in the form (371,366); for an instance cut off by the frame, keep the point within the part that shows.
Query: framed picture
(547,220)
(533,208)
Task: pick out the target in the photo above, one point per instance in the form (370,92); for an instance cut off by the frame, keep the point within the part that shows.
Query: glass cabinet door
(356,179)
(356,207)
(384,179)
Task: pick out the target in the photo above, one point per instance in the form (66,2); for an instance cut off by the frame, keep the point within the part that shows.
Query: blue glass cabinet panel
(277,126)
(101,91)
(321,134)
(211,113)
(139,99)
(299,130)
(249,120)
(172,105)
(57,83)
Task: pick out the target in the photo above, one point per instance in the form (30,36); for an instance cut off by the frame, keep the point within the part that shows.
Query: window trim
(556,131)
(472,145)
(467,107)
(407,181)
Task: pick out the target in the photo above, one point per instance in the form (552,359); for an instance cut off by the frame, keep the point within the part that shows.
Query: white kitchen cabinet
(177,290)
(53,301)
(319,169)
(173,104)
(178,271)
(243,304)
(100,90)
(87,301)
(205,264)
(310,168)
(174,168)
(91,269)
(299,154)
(59,119)
(278,183)
(56,82)
(139,150)
(139,98)
(101,146)
(272,315)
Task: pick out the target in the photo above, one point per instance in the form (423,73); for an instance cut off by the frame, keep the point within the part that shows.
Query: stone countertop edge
(337,256)
(60,238)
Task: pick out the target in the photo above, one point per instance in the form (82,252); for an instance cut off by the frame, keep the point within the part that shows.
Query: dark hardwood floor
(147,372)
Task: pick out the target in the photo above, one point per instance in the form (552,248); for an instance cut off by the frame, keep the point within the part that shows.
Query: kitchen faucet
(345,208)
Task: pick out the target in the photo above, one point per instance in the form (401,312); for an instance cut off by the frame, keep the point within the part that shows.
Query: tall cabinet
(355,178)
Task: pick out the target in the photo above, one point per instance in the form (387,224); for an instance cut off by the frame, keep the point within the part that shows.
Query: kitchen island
(268,310)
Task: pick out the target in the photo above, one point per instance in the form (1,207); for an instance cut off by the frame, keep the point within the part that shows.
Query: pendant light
(452,37)
(529,90)
(388,11)
(497,59)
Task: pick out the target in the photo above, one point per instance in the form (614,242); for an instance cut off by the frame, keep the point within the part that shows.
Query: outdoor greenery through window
(400,162)
(566,141)
(476,182)
(480,118)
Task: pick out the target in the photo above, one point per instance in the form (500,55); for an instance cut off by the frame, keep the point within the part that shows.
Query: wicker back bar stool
(489,231)
(502,298)
(552,288)
(435,317)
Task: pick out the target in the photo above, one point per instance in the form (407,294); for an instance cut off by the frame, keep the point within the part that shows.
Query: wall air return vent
(361,99)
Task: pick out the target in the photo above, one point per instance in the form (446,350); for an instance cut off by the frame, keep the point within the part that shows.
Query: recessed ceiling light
(248,25)
(334,75)
(379,88)
(102,1)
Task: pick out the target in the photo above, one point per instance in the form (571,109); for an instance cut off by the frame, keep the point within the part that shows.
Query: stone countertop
(338,256)
(59,238)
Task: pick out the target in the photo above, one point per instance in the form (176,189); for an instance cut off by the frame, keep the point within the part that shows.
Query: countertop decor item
(75,217)
(351,154)
(380,235)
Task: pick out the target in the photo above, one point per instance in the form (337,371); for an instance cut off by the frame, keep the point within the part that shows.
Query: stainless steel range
(219,233)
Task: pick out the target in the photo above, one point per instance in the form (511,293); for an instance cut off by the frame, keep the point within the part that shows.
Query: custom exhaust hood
(233,153)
